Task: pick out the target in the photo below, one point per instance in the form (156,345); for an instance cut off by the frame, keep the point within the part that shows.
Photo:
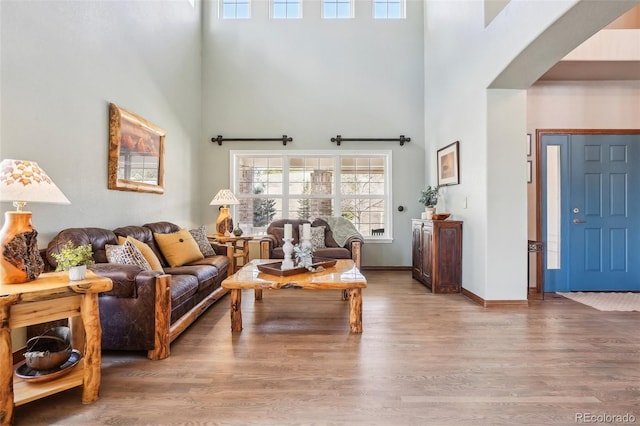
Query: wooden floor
(423,359)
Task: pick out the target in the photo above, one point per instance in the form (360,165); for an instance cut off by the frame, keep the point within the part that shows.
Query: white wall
(313,79)
(462,60)
(583,105)
(62,63)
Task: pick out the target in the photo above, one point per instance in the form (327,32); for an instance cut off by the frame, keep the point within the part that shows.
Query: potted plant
(429,198)
(74,259)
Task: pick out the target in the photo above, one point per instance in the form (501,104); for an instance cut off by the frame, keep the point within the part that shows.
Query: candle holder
(304,255)
(305,243)
(287,249)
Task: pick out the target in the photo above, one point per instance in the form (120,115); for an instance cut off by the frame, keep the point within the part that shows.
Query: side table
(51,297)
(237,249)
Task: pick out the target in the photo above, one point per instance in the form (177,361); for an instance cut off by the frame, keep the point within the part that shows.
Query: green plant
(429,196)
(71,255)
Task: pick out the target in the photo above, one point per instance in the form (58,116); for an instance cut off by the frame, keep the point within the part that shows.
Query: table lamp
(224,223)
(22,182)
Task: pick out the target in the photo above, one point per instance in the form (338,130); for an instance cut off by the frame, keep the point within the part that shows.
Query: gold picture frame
(136,153)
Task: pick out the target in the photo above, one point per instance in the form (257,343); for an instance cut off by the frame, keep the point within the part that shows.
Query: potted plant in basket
(74,259)
(429,198)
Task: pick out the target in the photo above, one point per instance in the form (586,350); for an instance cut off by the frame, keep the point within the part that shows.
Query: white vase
(429,212)
(77,273)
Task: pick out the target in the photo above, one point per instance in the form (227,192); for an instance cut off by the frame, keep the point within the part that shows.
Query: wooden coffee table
(343,276)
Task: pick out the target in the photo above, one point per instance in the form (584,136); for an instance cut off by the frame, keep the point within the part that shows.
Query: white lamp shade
(224,197)
(25,181)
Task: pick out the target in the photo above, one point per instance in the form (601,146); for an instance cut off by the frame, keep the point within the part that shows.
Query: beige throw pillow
(148,254)
(126,254)
(200,235)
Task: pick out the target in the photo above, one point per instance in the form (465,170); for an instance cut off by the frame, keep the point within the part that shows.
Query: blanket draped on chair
(342,229)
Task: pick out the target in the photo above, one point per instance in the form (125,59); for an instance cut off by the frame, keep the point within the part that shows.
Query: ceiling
(593,70)
(572,68)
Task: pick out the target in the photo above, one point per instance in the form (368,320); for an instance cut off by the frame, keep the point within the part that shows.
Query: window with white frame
(235,9)
(286,9)
(389,9)
(309,184)
(337,9)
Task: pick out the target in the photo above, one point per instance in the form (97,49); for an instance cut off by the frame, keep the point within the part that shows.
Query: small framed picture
(449,164)
(529,171)
(528,144)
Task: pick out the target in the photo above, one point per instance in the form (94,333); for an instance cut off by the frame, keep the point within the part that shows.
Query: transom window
(337,9)
(286,9)
(236,9)
(310,184)
(388,9)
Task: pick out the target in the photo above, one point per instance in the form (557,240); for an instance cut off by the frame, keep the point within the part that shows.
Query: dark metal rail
(339,139)
(219,139)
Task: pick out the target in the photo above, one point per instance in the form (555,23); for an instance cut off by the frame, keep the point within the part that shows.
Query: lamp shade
(24,181)
(224,197)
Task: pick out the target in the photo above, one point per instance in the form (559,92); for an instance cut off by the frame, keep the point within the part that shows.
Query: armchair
(271,244)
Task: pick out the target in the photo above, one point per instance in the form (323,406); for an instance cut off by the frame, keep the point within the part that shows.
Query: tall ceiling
(611,54)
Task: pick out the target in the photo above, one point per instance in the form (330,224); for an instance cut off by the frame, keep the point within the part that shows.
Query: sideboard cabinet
(437,254)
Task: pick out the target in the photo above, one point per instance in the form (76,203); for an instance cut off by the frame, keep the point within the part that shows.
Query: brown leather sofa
(271,244)
(147,310)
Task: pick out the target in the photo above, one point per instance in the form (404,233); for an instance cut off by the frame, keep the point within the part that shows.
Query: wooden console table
(51,297)
(437,254)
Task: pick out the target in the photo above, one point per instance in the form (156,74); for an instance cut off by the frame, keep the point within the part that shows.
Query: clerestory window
(389,9)
(235,9)
(337,9)
(286,9)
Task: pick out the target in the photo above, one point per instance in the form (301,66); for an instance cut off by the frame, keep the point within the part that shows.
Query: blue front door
(599,212)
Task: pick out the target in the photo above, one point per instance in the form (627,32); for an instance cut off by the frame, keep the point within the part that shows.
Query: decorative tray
(33,375)
(274,268)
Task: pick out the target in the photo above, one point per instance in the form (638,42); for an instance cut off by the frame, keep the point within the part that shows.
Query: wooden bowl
(50,350)
(441,216)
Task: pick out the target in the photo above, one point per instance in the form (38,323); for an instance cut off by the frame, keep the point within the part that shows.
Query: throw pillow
(329,241)
(317,236)
(200,235)
(126,254)
(178,247)
(148,254)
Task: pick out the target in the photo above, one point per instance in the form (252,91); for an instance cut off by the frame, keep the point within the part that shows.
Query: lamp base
(20,260)
(224,223)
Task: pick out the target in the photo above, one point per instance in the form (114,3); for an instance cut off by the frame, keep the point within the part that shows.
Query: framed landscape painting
(136,153)
(449,164)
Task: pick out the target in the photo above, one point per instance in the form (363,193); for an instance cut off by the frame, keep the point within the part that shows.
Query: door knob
(579,221)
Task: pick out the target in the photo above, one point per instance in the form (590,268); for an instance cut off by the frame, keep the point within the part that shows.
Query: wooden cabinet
(437,254)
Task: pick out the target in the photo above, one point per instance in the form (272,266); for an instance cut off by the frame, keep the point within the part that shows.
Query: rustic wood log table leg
(6,369)
(92,357)
(257,293)
(355,311)
(236,313)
